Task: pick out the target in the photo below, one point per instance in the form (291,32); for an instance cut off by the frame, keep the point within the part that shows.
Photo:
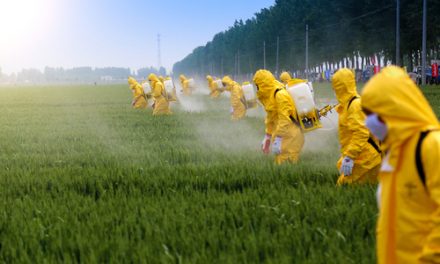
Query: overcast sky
(122,33)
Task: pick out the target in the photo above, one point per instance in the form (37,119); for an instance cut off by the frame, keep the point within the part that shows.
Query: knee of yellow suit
(282,158)
(360,175)
(238,114)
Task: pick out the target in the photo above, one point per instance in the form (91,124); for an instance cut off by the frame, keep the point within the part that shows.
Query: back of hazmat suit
(358,147)
(238,108)
(287,79)
(408,228)
(185,85)
(212,87)
(161,104)
(139,101)
(281,121)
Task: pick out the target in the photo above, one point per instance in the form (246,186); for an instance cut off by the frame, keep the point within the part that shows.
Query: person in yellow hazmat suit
(185,85)
(360,152)
(139,100)
(215,92)
(408,227)
(286,78)
(282,126)
(238,108)
(161,104)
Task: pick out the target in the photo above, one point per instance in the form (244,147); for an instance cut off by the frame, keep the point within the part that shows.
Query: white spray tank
(147,87)
(218,83)
(169,86)
(191,84)
(311,88)
(305,106)
(170,90)
(249,95)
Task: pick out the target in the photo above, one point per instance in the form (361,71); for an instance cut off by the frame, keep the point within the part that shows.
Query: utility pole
(398,32)
(264,54)
(307,51)
(278,55)
(159,63)
(424,44)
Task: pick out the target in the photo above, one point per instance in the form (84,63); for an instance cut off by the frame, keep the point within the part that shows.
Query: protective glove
(276,147)
(347,166)
(265,144)
(231,110)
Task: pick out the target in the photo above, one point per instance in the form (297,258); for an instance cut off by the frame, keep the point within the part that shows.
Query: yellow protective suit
(237,98)
(281,116)
(212,87)
(286,78)
(185,85)
(408,228)
(139,100)
(355,139)
(161,105)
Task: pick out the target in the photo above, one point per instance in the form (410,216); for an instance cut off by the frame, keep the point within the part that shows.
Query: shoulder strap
(374,145)
(351,101)
(295,120)
(419,163)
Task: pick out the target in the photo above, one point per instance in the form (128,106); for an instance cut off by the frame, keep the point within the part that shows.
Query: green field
(85,178)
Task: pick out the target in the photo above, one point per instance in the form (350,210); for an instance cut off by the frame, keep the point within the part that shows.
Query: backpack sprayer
(250,97)
(308,116)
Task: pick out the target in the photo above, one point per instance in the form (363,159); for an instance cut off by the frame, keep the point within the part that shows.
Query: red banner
(376,69)
(434,69)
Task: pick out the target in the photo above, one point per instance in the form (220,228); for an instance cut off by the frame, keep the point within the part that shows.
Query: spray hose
(323,113)
(326,109)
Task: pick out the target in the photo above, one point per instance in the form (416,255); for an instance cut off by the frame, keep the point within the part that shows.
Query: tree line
(77,75)
(337,29)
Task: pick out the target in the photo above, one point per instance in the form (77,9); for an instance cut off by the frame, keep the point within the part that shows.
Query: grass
(85,178)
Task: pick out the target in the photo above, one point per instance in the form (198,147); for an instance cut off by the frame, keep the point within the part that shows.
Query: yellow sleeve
(269,121)
(157,91)
(430,159)
(138,92)
(235,97)
(359,133)
(212,86)
(285,108)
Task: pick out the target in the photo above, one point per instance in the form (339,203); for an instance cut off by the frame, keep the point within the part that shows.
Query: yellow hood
(285,77)
(228,82)
(399,102)
(182,78)
(344,85)
(153,79)
(132,82)
(210,79)
(266,86)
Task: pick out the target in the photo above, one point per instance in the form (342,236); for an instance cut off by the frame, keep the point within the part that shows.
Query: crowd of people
(388,134)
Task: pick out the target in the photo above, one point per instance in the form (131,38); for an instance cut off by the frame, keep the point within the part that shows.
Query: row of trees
(337,30)
(77,75)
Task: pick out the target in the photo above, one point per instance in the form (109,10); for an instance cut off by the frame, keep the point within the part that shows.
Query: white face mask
(376,127)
